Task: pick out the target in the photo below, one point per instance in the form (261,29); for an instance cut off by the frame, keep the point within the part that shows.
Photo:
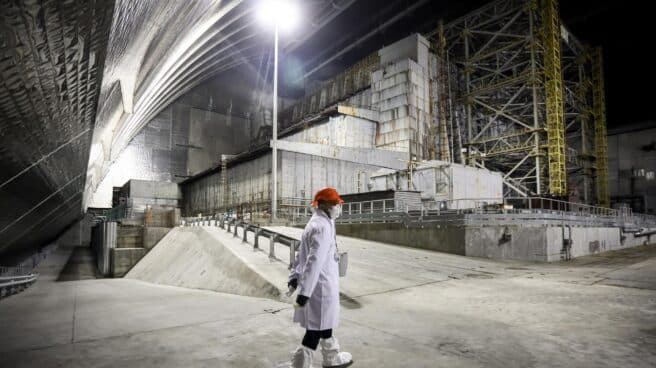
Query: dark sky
(624,30)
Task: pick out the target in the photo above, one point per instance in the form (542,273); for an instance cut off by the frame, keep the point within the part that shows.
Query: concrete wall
(341,130)
(79,234)
(158,152)
(182,140)
(303,175)
(400,94)
(525,243)
(414,47)
(152,235)
(299,175)
(439,180)
(247,181)
(123,259)
(627,151)
(585,241)
(449,239)
(156,217)
(211,135)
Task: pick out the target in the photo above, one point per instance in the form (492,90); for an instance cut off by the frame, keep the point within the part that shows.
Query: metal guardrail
(231,226)
(15,279)
(514,209)
(14,271)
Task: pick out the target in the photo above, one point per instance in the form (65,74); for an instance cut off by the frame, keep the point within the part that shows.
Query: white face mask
(335,211)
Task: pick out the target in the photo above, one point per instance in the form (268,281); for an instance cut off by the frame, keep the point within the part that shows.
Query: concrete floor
(415,309)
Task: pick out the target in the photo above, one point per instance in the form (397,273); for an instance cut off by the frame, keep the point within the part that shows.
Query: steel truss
(524,91)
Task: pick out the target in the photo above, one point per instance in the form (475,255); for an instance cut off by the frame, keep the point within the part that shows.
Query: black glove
(301,300)
(292,284)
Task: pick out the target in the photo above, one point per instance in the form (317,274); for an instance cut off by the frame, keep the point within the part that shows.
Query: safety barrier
(15,279)
(231,226)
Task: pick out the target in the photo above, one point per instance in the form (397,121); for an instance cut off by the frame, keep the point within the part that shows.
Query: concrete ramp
(205,258)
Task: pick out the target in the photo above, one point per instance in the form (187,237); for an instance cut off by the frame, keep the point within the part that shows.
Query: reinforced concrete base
(537,243)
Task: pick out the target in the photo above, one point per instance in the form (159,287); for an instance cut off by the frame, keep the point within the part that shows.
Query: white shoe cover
(302,357)
(332,357)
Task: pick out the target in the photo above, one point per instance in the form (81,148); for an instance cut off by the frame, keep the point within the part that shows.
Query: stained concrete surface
(81,265)
(208,258)
(413,308)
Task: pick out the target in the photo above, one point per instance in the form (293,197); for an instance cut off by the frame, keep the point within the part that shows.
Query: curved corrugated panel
(51,62)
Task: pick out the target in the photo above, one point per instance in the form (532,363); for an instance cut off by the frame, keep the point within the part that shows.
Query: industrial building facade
(505,89)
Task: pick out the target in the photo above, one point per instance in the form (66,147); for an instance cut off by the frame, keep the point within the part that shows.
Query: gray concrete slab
(410,308)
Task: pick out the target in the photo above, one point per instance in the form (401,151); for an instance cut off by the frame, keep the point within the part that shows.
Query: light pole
(282,13)
(274,141)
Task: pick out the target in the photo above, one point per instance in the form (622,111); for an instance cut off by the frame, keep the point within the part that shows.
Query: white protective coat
(317,270)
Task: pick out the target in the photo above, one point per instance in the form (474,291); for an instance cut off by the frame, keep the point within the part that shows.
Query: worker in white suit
(316,274)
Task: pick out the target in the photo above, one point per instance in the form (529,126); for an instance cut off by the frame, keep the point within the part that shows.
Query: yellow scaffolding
(553,85)
(599,113)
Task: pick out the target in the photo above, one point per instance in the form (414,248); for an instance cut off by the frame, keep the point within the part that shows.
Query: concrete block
(393,102)
(129,236)
(152,235)
(445,239)
(123,259)
(159,217)
(525,243)
(154,189)
(395,136)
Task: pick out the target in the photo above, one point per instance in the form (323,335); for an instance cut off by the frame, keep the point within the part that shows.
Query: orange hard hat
(327,194)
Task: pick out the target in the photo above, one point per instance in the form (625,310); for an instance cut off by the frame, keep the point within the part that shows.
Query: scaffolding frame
(600,135)
(523,91)
(577,78)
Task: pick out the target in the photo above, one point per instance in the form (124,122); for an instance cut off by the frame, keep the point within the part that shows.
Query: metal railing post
(245,234)
(256,241)
(272,246)
(292,253)
(236,225)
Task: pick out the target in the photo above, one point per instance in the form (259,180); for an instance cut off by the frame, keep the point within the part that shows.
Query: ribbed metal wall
(51,62)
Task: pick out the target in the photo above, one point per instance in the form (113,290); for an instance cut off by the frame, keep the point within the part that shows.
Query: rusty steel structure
(528,95)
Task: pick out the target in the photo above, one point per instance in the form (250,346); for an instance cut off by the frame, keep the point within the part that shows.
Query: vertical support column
(272,245)
(601,142)
(256,242)
(553,85)
(235,231)
(468,103)
(534,86)
(245,237)
(274,141)
(583,93)
(224,179)
(292,253)
(441,72)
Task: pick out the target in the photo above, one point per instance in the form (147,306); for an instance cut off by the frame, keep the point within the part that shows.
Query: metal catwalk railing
(521,209)
(460,212)
(231,226)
